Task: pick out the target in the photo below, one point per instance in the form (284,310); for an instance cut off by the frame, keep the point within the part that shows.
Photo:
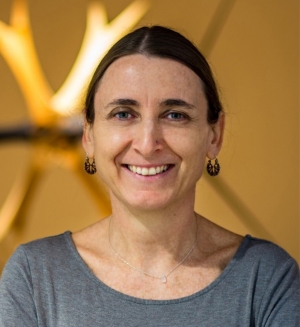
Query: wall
(256,62)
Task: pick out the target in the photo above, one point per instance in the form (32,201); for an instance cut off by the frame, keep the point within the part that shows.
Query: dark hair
(158,41)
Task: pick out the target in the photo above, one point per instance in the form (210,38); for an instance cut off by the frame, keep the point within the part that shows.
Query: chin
(147,202)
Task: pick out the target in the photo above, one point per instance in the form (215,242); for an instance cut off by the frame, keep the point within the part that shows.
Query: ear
(88,139)
(216,139)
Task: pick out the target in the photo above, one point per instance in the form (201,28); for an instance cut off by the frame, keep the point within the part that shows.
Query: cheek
(188,143)
(192,148)
(109,142)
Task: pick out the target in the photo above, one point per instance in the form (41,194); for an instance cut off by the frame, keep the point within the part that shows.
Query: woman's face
(150,136)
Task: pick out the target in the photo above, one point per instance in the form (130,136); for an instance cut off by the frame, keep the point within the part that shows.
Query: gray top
(46,283)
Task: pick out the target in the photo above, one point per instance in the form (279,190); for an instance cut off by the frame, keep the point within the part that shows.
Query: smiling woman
(145,120)
(152,116)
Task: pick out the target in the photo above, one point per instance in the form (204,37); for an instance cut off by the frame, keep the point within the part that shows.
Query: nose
(148,138)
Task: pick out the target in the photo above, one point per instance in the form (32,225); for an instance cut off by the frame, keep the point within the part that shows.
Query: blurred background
(253,48)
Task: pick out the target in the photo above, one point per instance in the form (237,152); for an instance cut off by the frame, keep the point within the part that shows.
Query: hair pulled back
(162,42)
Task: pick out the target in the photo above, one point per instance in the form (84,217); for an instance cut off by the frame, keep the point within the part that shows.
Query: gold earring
(213,169)
(90,168)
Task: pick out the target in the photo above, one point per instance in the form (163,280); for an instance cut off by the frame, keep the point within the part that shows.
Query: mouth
(151,171)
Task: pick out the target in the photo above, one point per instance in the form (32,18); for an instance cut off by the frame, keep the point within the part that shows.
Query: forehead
(139,75)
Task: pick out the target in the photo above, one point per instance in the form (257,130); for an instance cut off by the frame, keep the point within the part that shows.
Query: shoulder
(39,253)
(33,259)
(273,276)
(267,264)
(247,250)
(48,246)
(264,251)
(48,241)
(37,275)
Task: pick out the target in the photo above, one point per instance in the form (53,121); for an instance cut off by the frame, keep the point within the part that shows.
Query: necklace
(163,278)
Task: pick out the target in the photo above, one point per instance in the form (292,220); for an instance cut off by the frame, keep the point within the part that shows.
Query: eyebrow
(165,103)
(177,103)
(122,102)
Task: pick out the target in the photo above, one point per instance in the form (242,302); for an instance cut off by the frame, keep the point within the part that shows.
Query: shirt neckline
(68,238)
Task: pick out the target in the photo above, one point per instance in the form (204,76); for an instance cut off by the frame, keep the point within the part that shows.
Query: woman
(152,116)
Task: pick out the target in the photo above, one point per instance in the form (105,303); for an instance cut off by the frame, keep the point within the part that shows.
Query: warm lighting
(17,48)
(55,137)
(52,131)
(99,37)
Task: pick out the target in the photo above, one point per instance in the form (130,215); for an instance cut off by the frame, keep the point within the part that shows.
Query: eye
(123,115)
(176,116)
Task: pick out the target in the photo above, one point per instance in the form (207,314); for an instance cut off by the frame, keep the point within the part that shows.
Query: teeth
(152,171)
(148,171)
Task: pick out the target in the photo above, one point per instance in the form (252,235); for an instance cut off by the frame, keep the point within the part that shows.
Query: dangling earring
(213,170)
(90,168)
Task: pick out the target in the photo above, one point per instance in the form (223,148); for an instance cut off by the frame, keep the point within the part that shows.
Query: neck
(159,238)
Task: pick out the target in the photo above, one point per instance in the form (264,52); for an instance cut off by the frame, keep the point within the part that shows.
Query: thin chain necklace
(163,278)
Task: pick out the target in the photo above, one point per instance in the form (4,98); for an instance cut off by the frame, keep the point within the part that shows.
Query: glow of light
(99,37)
(17,48)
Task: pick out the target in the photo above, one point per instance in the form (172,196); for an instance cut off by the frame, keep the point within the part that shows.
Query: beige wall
(256,62)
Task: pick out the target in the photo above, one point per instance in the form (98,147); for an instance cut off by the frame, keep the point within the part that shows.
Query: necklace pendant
(163,278)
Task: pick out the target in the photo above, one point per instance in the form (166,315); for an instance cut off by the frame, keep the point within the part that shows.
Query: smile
(148,171)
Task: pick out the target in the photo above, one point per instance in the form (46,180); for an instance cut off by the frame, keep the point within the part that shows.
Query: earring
(90,168)
(213,170)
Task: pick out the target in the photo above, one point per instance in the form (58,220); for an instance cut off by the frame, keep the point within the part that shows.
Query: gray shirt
(46,283)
